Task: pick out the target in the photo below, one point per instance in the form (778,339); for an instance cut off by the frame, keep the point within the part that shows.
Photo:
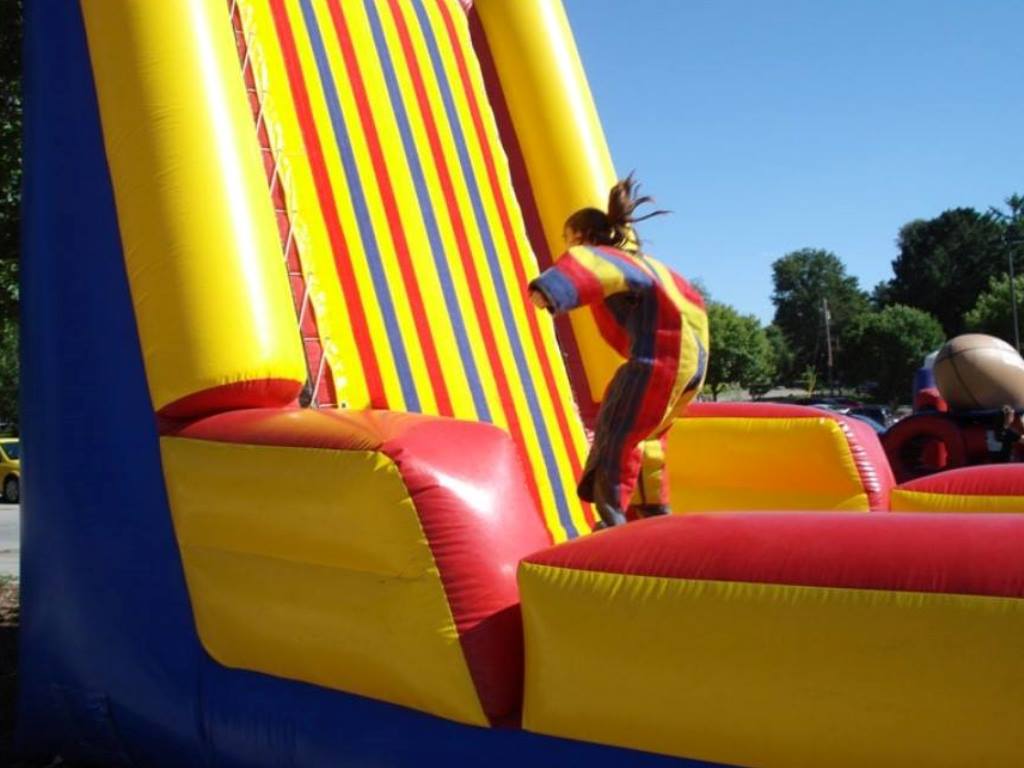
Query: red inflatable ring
(923,444)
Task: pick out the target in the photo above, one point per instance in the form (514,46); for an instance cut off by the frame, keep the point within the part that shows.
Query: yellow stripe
(342,592)
(478,254)
(527,258)
(411,217)
(370,187)
(315,251)
(917,501)
(345,210)
(773,464)
(445,230)
(771,675)
(200,242)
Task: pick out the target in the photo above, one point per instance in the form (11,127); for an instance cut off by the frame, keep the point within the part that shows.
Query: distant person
(652,317)
(1007,435)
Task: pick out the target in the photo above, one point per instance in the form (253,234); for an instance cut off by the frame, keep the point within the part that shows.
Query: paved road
(10,519)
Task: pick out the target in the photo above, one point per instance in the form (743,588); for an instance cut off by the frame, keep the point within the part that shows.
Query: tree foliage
(885,348)
(10,200)
(740,352)
(802,280)
(992,313)
(781,353)
(946,262)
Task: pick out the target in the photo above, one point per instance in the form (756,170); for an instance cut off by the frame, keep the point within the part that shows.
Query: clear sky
(772,126)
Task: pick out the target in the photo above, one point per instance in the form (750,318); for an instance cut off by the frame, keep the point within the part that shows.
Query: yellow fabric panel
(718,464)
(311,565)
(559,132)
(201,245)
(916,501)
(652,471)
(773,676)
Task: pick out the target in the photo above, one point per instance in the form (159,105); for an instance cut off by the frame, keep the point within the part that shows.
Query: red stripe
(691,294)
(328,206)
(390,205)
(506,226)
(531,215)
(968,554)
(253,393)
(455,215)
(987,480)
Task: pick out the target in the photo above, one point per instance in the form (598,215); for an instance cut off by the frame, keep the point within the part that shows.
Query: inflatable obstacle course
(298,450)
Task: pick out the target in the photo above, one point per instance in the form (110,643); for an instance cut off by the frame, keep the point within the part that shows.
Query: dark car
(878,413)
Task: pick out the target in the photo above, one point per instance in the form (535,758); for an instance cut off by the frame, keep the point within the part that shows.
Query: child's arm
(580,277)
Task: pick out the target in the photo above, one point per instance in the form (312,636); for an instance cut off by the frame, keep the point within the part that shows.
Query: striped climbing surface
(406,224)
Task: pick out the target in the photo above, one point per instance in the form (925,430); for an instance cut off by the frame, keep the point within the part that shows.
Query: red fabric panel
(929,399)
(468,486)
(986,480)
(976,554)
(907,445)
(260,393)
(872,463)
(480,519)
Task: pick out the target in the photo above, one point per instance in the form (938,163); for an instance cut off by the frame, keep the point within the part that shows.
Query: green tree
(10,200)
(945,263)
(886,348)
(992,313)
(781,353)
(802,280)
(740,352)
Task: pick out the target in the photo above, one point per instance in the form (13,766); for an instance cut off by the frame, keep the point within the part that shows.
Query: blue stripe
(558,289)
(429,217)
(495,272)
(366,231)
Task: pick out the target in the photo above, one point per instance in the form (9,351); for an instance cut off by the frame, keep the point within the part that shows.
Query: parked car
(878,413)
(10,469)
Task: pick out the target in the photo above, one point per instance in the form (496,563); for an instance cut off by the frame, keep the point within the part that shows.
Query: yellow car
(10,469)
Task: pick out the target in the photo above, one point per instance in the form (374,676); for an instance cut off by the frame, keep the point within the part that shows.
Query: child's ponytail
(614,228)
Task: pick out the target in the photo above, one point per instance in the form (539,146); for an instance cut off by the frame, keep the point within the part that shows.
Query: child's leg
(613,483)
(625,419)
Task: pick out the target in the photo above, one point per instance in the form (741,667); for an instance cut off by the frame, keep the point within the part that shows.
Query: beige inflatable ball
(975,371)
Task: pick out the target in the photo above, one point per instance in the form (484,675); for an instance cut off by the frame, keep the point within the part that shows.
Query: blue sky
(768,127)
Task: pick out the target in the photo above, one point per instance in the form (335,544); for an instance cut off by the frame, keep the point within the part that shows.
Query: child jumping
(652,317)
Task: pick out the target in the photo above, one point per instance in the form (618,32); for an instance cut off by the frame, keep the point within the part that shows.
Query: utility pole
(828,342)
